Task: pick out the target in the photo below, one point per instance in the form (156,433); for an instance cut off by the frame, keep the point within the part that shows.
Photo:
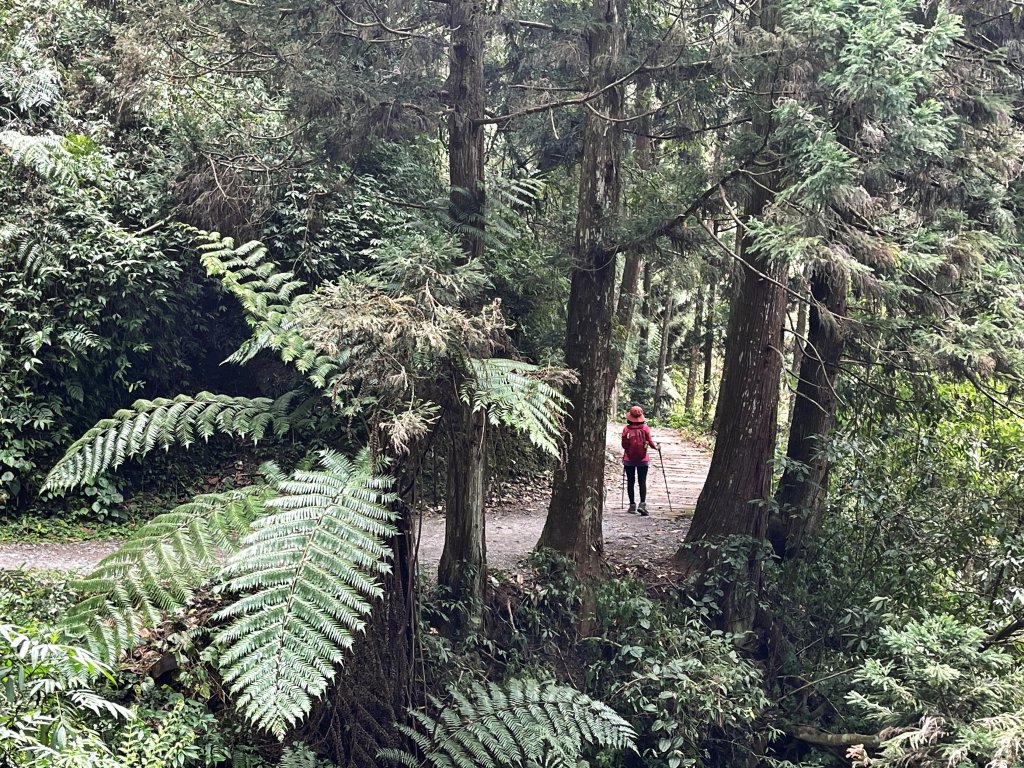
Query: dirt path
(515,517)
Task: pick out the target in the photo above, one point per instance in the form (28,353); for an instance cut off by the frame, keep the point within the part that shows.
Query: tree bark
(641,378)
(628,296)
(731,518)
(694,345)
(466,93)
(463,567)
(666,330)
(624,312)
(574,520)
(800,497)
(798,350)
(709,351)
(739,479)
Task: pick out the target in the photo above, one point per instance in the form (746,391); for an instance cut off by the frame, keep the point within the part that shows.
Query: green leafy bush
(691,695)
(49,710)
(34,598)
(940,696)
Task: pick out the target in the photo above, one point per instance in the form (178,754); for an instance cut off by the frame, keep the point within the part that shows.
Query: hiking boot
(632,508)
(642,509)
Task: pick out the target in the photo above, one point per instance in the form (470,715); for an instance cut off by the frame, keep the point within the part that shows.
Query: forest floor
(515,517)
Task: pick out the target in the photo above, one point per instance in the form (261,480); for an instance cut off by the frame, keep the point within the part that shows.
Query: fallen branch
(813,735)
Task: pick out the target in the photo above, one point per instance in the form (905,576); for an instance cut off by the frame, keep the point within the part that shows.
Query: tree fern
(521,723)
(307,574)
(164,422)
(45,154)
(159,568)
(272,303)
(520,396)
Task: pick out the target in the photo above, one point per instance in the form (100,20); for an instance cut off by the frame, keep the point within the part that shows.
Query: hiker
(636,436)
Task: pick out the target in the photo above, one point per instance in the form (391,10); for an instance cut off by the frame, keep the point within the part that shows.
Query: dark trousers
(633,473)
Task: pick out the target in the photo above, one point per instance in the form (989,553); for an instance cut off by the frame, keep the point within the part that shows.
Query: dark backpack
(635,442)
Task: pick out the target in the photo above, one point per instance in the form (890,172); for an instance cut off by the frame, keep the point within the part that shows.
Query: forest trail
(515,517)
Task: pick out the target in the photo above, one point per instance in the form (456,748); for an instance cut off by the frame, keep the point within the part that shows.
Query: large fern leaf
(159,568)
(273,303)
(519,396)
(164,422)
(307,574)
(520,723)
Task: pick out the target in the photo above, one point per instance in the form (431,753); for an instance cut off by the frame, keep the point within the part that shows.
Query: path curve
(515,517)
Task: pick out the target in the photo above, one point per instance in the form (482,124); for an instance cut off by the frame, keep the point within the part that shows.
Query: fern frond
(159,568)
(307,574)
(45,154)
(273,303)
(164,422)
(519,396)
(522,722)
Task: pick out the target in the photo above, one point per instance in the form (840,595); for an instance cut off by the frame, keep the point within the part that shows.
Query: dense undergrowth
(919,688)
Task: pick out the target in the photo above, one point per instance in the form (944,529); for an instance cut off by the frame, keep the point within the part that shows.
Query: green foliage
(693,698)
(48,704)
(519,396)
(305,575)
(927,495)
(271,301)
(34,598)
(520,723)
(163,422)
(179,734)
(93,305)
(299,756)
(159,569)
(304,568)
(942,697)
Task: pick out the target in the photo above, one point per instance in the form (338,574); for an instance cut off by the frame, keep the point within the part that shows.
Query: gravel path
(64,556)
(515,517)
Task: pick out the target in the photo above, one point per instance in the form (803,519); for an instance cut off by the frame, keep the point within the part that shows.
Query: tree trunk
(798,352)
(709,351)
(731,518)
(624,312)
(800,497)
(466,92)
(573,525)
(628,296)
(739,479)
(641,377)
(666,330)
(694,345)
(463,568)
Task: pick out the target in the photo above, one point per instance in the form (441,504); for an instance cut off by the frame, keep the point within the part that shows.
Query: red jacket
(635,439)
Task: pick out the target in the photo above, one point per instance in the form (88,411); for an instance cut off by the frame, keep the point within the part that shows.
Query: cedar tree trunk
(694,345)
(463,568)
(466,93)
(573,525)
(731,510)
(800,497)
(623,324)
(709,351)
(666,330)
(798,349)
(624,312)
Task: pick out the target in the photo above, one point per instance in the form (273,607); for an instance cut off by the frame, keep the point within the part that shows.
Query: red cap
(636,413)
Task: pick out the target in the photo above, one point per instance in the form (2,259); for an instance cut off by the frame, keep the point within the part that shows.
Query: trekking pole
(661,461)
(622,498)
